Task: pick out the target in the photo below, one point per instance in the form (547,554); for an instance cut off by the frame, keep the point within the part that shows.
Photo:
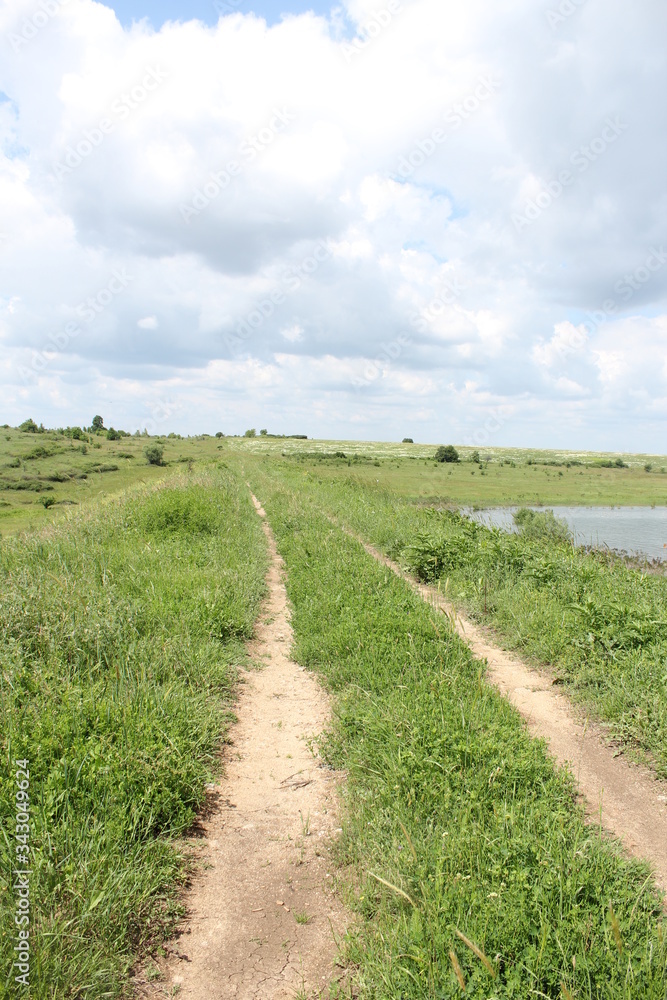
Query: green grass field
(125,605)
(474,871)
(52,468)
(122,630)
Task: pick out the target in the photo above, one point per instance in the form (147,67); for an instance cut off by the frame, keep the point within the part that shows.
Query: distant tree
(446,453)
(97,424)
(154,454)
(251,433)
(219,434)
(264,432)
(77,434)
(474,457)
(648,467)
(408,441)
(113,435)
(29,426)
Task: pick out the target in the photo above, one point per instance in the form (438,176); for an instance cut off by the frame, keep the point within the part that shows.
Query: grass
(599,624)
(474,865)
(122,628)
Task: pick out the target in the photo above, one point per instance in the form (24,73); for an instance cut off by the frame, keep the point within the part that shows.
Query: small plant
(154,454)
(47,502)
(447,453)
(302,917)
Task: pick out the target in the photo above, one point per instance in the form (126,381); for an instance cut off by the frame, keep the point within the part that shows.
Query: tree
(446,453)
(29,426)
(408,441)
(154,454)
(97,424)
(113,435)
(219,434)
(264,432)
(251,433)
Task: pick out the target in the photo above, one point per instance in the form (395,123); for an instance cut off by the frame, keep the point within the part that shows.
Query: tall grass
(473,863)
(121,629)
(599,624)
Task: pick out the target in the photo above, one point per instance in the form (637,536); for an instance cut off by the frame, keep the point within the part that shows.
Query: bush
(154,454)
(251,433)
(219,434)
(407,441)
(29,426)
(446,453)
(475,457)
(538,524)
(113,435)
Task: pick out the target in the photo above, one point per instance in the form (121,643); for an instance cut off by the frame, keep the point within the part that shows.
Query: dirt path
(262,913)
(629,800)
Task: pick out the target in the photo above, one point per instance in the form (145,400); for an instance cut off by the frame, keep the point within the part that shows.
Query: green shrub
(542,524)
(446,453)
(154,454)
(29,426)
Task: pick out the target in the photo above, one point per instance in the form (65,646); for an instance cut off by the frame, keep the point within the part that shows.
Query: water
(638,530)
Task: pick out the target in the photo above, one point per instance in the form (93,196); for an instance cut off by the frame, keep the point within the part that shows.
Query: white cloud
(148,323)
(286,144)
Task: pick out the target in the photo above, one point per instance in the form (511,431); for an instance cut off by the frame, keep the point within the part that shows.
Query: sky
(368,220)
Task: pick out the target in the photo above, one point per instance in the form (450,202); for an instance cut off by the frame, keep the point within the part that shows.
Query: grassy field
(62,472)
(122,628)
(56,470)
(124,612)
(598,624)
(510,476)
(474,867)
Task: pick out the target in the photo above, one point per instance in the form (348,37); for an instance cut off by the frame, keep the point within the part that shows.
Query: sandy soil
(263,917)
(627,799)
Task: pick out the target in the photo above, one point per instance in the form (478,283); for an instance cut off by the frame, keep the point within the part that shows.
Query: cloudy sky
(372,220)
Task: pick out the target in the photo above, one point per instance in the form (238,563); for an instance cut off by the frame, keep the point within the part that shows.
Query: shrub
(407,441)
(113,435)
(475,456)
(251,433)
(538,524)
(219,434)
(648,467)
(47,502)
(446,453)
(154,454)
(29,426)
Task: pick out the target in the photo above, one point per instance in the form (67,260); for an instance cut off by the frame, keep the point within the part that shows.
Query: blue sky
(159,11)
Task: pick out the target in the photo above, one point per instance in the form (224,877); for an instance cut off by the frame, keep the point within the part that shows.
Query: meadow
(123,627)
(597,622)
(125,606)
(474,870)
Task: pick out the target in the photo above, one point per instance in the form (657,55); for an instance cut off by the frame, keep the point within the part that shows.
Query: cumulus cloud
(431,215)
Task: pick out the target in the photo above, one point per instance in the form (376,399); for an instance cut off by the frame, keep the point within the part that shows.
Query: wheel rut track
(263,850)
(627,799)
